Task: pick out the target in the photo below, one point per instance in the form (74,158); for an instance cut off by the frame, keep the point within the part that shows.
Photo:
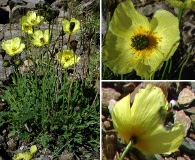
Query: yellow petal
(116,54)
(162,140)
(121,117)
(46,36)
(149,108)
(66,26)
(33,149)
(167,32)
(187,4)
(125,19)
(21,48)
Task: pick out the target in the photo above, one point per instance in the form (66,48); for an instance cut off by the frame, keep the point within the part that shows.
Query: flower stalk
(126,149)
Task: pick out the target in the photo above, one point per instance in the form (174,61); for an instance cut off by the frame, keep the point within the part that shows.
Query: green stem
(170,66)
(180,14)
(166,65)
(126,149)
(70,88)
(184,65)
(68,43)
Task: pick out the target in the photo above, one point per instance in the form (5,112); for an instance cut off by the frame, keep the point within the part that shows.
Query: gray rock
(15,33)
(4,72)
(30,5)
(181,158)
(66,155)
(150,9)
(43,157)
(192,117)
(32,1)
(188,146)
(186,97)
(18,12)
(108,94)
(190,110)
(182,118)
(12,144)
(3,2)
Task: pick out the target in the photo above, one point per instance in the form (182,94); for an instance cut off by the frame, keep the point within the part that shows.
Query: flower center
(33,21)
(26,27)
(14,49)
(140,42)
(67,58)
(42,40)
(72,25)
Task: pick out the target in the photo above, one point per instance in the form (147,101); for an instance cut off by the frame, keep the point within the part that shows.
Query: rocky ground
(181,98)
(11,146)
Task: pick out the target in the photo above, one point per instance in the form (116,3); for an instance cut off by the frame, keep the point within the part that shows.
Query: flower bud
(6,63)
(17,62)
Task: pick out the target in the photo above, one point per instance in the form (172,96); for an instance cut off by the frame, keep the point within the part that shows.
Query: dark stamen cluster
(140,42)
(72,25)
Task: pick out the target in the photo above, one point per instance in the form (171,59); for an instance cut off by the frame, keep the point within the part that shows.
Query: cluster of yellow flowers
(30,20)
(40,38)
(134,43)
(26,155)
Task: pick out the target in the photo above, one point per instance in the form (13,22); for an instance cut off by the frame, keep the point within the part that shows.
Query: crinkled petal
(166,26)
(162,140)
(121,117)
(66,26)
(116,54)
(147,66)
(21,48)
(46,36)
(39,19)
(6,45)
(149,108)
(125,19)
(37,36)
(16,41)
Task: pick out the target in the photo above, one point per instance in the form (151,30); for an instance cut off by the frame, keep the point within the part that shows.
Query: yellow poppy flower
(67,58)
(71,26)
(23,156)
(40,38)
(26,27)
(33,19)
(185,4)
(29,20)
(132,42)
(143,122)
(13,46)
(26,155)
